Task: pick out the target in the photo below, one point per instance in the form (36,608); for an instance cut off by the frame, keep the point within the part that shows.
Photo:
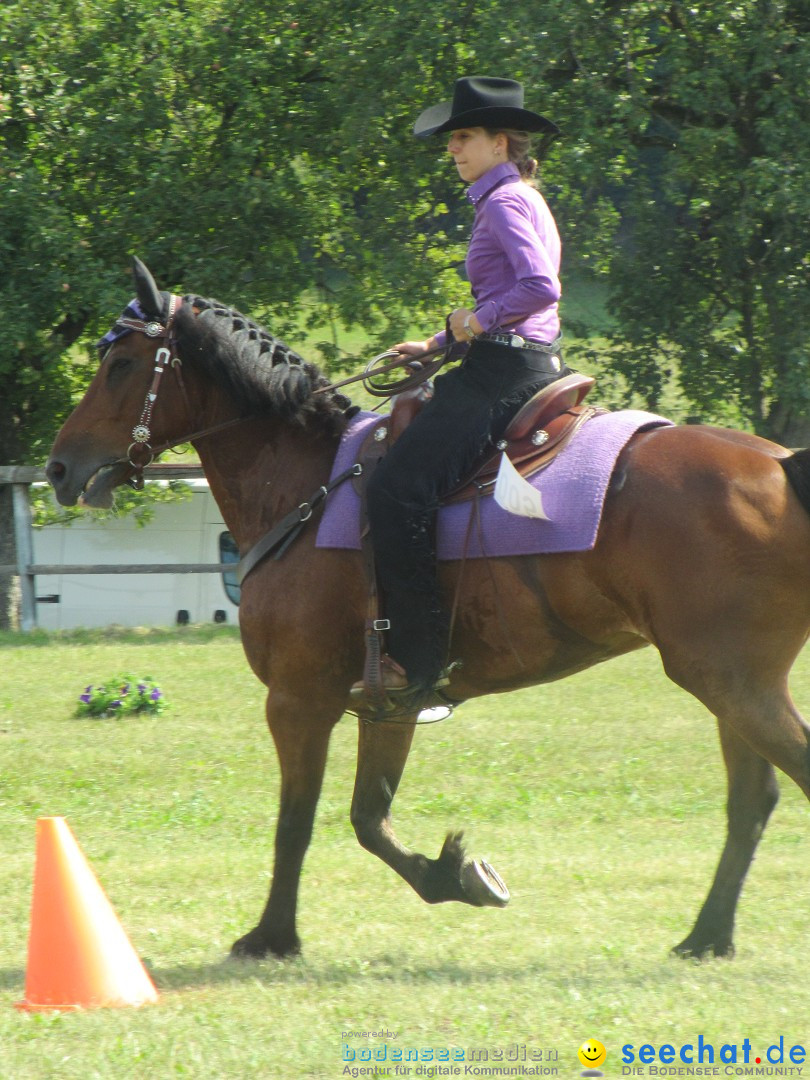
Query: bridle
(166,357)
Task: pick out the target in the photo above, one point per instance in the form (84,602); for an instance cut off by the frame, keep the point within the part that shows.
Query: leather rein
(166,357)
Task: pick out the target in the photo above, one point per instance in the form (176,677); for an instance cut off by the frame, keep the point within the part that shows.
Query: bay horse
(703,552)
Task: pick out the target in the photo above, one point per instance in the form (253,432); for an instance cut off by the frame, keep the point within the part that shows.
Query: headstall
(164,357)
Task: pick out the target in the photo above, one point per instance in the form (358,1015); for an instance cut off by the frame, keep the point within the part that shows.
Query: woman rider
(513,329)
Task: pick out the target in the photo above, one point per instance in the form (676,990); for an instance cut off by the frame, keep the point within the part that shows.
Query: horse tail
(797,470)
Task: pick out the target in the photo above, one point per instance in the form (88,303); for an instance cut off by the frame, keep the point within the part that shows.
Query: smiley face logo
(592,1053)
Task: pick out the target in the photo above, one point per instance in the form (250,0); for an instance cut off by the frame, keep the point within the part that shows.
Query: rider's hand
(414,348)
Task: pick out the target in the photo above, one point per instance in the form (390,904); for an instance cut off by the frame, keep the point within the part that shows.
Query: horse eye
(119,365)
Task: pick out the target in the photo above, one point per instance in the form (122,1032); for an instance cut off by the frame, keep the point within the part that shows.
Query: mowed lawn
(600,800)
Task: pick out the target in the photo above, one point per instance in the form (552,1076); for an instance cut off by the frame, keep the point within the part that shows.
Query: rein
(419,373)
(166,357)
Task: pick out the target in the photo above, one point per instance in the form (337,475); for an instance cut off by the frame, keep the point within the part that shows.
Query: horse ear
(146,290)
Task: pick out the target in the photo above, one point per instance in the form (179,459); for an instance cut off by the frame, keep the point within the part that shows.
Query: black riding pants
(471,407)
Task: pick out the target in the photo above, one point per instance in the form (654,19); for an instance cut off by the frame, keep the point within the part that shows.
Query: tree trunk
(795,432)
(786,423)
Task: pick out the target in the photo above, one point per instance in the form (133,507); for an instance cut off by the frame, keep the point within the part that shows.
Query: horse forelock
(259,371)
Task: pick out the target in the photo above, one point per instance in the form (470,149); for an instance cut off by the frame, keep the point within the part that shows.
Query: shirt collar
(484,184)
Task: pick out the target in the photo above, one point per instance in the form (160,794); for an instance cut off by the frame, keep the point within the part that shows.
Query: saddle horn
(146,290)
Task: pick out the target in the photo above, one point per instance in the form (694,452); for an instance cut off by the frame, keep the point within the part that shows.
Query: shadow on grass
(298,972)
(401,970)
(336,973)
(12,979)
(198,634)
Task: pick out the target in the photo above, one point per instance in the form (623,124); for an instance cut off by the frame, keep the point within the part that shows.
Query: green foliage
(140,504)
(713,271)
(264,155)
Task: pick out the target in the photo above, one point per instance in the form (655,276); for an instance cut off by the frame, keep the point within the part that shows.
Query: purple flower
(125,695)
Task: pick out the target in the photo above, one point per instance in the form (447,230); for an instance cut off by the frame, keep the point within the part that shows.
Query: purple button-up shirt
(513,261)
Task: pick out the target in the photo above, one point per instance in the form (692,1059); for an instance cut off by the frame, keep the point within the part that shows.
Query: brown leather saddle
(535,435)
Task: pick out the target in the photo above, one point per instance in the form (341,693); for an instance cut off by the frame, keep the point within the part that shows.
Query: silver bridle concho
(141,433)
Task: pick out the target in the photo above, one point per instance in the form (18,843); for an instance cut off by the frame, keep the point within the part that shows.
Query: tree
(263,154)
(710,274)
(107,126)
(212,139)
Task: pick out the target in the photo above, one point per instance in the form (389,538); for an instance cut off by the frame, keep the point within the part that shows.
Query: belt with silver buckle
(515,341)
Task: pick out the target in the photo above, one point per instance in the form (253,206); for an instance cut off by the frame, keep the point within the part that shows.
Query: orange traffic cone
(79,956)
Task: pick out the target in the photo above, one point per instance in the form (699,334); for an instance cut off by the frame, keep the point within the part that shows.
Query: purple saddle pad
(573,487)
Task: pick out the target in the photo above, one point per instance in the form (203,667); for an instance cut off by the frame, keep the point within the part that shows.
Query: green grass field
(599,799)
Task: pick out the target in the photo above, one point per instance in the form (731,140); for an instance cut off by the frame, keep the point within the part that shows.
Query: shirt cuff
(487,316)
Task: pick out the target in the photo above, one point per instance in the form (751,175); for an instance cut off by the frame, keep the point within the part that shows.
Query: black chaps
(471,407)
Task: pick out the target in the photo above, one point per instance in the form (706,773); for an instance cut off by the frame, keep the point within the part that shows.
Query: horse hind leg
(738,667)
(752,795)
(382,752)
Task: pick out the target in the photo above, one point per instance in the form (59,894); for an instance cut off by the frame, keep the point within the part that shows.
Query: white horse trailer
(190,532)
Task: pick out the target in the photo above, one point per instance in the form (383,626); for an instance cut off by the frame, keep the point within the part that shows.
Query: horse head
(108,438)
(140,403)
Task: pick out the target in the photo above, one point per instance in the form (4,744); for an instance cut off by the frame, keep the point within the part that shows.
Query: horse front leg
(752,795)
(382,752)
(302,744)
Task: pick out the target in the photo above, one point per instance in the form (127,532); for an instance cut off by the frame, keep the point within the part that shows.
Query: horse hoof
(255,946)
(690,949)
(483,886)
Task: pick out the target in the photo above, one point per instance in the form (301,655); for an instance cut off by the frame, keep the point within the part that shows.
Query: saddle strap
(372,666)
(376,625)
(282,534)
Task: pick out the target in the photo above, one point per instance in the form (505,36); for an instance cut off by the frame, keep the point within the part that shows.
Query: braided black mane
(258,371)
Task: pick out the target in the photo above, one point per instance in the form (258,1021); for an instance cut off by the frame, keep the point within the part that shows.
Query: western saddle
(535,435)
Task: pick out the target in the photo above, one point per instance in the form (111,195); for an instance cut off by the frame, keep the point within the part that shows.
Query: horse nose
(60,476)
(55,472)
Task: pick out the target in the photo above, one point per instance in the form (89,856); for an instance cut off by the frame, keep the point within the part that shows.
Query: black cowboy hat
(479,101)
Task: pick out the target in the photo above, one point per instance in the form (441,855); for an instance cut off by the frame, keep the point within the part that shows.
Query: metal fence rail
(20,478)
